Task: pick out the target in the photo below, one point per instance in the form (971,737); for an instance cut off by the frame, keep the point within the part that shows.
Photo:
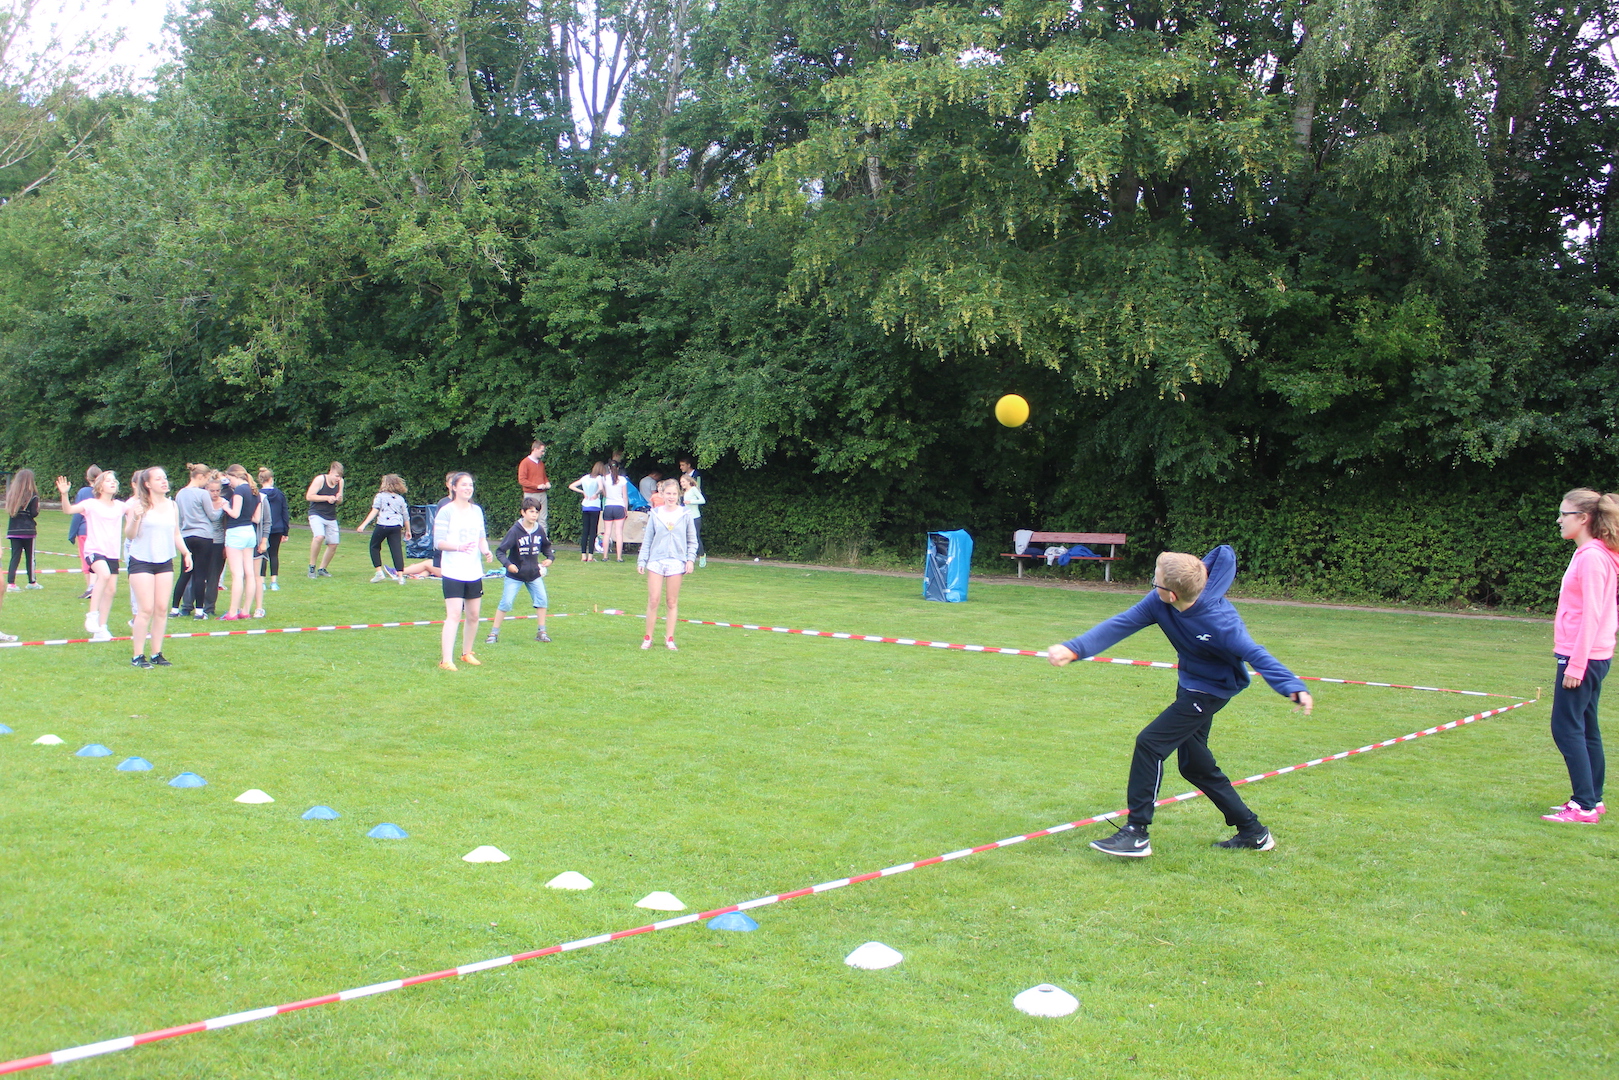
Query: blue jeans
(510,587)
(1575,730)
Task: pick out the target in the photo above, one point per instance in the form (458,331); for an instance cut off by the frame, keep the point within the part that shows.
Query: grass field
(1417,918)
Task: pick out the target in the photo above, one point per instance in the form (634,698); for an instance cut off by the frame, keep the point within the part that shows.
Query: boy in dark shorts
(1188,603)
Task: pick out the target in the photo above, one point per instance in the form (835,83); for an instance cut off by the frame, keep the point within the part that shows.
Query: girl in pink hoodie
(1583,638)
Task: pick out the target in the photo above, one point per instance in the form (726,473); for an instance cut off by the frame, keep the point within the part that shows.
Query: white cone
(1046,1000)
(486,853)
(569,879)
(660,901)
(873,956)
(47,740)
(254,796)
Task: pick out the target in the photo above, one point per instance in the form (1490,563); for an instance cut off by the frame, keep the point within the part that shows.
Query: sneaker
(1130,842)
(702,561)
(1601,808)
(231,618)
(159,660)
(468,658)
(541,635)
(199,614)
(390,574)
(13,588)
(33,585)
(1575,815)
(140,663)
(311,573)
(669,642)
(646,643)
(174,612)
(259,614)
(86,594)
(448,666)
(101,634)
(323,572)
(91,621)
(378,576)
(494,636)
(1258,840)
(8,637)
(274,586)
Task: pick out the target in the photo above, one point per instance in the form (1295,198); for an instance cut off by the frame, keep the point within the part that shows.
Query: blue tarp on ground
(947,560)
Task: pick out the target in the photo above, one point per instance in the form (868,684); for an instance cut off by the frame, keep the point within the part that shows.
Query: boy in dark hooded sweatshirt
(1188,603)
(525,553)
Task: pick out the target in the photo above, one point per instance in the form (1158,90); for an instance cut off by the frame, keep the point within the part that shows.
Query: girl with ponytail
(1583,641)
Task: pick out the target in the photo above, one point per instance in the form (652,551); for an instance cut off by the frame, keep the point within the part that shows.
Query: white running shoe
(378,576)
(90,621)
(101,634)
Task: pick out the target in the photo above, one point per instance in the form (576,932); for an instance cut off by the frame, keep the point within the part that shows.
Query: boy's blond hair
(1183,574)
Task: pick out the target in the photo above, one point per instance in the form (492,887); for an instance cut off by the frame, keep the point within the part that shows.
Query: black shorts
(141,566)
(455,589)
(614,513)
(112,563)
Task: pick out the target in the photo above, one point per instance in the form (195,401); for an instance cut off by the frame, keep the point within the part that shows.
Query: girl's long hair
(241,474)
(138,484)
(1604,511)
(394,483)
(20,491)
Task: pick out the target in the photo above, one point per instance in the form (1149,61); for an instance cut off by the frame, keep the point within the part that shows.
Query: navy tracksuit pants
(1183,730)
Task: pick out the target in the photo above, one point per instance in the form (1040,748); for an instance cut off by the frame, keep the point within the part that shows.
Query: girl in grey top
(667,552)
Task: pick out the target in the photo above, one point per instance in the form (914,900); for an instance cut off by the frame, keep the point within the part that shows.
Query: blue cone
(4,730)
(732,920)
(134,764)
(321,813)
(188,779)
(386,831)
(95,749)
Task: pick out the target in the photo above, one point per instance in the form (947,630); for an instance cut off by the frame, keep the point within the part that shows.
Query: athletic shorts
(511,587)
(112,563)
(141,566)
(325,527)
(241,537)
(614,513)
(666,567)
(455,589)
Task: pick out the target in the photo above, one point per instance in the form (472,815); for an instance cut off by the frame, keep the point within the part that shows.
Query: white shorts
(666,567)
(327,526)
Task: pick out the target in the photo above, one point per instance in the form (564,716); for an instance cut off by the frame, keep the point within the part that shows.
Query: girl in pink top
(103,539)
(1583,639)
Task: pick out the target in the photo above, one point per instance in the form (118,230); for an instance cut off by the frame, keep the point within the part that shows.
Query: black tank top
(324,509)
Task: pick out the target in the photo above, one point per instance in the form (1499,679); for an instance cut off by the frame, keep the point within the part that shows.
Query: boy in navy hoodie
(1188,603)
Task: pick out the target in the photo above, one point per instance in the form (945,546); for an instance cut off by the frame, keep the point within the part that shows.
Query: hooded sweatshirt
(1209,637)
(1587,611)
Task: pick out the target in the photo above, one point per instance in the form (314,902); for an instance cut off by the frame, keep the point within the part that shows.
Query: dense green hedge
(1485,537)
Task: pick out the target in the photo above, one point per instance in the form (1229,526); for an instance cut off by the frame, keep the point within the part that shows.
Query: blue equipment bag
(946,561)
(420,544)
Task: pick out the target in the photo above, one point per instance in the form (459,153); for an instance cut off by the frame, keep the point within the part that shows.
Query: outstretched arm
(1106,633)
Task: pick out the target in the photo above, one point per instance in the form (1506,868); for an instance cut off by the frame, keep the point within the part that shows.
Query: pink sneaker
(1574,814)
(1601,808)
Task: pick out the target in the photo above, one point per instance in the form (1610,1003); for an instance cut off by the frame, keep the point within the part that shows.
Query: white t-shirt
(155,540)
(616,494)
(455,527)
(591,499)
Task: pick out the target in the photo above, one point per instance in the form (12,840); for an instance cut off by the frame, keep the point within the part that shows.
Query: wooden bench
(1113,540)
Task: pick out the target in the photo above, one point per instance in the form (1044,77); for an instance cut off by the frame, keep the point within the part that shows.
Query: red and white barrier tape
(59,1057)
(273,630)
(1041,653)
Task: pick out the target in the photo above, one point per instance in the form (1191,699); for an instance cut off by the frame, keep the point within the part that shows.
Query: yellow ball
(1012,411)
